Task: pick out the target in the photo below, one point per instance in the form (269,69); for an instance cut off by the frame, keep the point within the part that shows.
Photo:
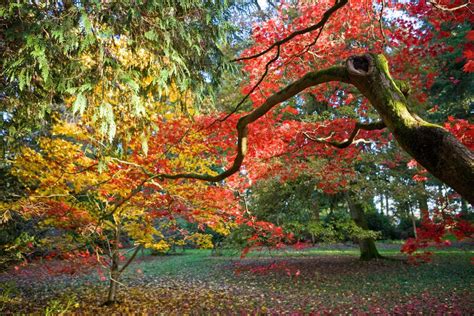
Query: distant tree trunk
(413,221)
(316,214)
(217,248)
(423,201)
(381,204)
(368,250)
(422,206)
(464,208)
(316,210)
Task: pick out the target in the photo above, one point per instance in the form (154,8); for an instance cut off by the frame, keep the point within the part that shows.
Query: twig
(349,141)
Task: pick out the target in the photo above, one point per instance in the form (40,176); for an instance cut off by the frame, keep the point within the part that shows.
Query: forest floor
(321,280)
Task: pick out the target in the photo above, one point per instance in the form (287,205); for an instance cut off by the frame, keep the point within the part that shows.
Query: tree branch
(349,141)
(131,258)
(431,145)
(255,86)
(446,8)
(310,79)
(339,4)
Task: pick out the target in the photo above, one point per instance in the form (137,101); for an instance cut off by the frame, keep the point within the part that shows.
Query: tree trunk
(114,269)
(423,199)
(316,215)
(413,222)
(464,208)
(368,251)
(315,206)
(431,145)
(381,204)
(114,276)
(423,204)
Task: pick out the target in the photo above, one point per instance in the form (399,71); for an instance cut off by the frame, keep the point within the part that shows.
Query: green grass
(327,279)
(202,261)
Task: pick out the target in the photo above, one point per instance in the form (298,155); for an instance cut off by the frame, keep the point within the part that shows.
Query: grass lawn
(326,279)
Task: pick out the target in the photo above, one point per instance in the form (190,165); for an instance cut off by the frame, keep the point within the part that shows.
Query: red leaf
(469,66)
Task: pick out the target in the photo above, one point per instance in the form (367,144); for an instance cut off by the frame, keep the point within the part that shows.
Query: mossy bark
(368,250)
(431,145)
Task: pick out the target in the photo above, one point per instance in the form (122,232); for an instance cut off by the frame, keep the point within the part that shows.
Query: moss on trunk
(368,250)
(431,145)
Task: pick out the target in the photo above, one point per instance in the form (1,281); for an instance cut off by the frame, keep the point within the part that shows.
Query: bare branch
(349,141)
(339,4)
(320,25)
(255,86)
(445,8)
(135,252)
(384,38)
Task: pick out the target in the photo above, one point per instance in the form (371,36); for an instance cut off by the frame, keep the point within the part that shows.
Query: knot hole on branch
(360,65)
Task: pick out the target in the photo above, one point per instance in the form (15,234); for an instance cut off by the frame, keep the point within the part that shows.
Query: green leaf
(138,107)
(80,104)
(131,83)
(151,35)
(86,22)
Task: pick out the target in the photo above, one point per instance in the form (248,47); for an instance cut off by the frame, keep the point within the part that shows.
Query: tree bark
(413,223)
(114,269)
(368,250)
(381,204)
(423,203)
(431,145)
(114,276)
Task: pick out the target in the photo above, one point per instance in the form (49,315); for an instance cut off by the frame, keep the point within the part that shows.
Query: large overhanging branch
(309,80)
(349,141)
(431,145)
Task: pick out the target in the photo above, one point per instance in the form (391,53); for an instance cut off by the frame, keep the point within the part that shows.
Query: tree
(299,207)
(361,72)
(57,53)
(98,205)
(368,251)
(368,73)
(431,145)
